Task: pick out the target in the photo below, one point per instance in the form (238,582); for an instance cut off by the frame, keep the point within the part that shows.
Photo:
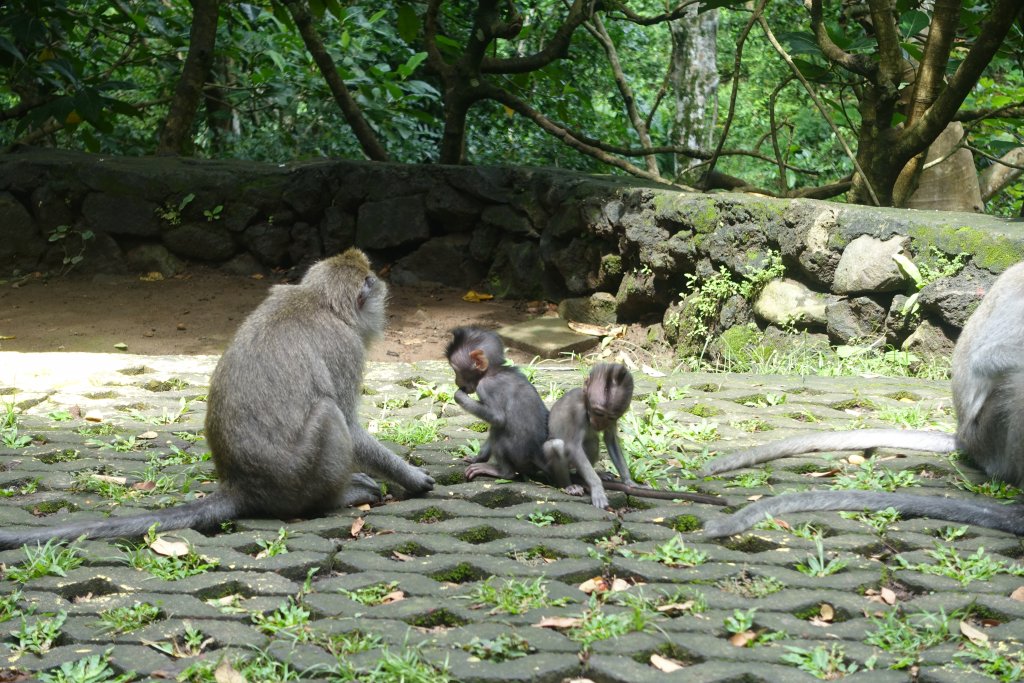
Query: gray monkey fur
(988,396)
(282,420)
(512,407)
(573,426)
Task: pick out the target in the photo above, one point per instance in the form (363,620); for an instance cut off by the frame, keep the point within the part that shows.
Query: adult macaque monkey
(988,395)
(508,403)
(573,427)
(281,417)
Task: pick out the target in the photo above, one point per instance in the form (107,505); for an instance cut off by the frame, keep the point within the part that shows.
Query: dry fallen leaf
(888,596)
(148,435)
(664,664)
(121,481)
(168,548)
(589,329)
(143,486)
(357,526)
(594,585)
(1018,594)
(93,416)
(742,639)
(476,297)
(755,497)
(828,473)
(559,622)
(401,557)
(393,596)
(152,276)
(826,612)
(651,372)
(674,607)
(972,634)
(619,585)
(226,673)
(856,459)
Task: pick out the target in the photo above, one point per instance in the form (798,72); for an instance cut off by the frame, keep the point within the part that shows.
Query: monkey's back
(287,357)
(521,435)
(988,380)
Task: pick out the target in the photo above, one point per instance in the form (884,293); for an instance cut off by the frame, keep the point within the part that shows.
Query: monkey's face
(466,376)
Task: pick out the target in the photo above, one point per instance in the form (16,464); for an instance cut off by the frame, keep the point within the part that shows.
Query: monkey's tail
(1009,518)
(204,512)
(850,440)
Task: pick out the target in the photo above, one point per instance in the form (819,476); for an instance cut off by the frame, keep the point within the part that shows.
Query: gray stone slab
(546,337)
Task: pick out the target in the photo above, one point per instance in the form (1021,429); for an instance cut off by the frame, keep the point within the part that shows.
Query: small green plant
(191,643)
(701,432)
(674,553)
(870,476)
(60,416)
(541,518)
(998,663)
(91,669)
(906,636)
(501,649)
(53,559)
(740,621)
(470,449)
(171,213)
(751,480)
(277,546)
(9,435)
(214,213)
(72,255)
(371,595)
(414,433)
(40,635)
(168,568)
(128,618)
(514,596)
(821,662)
(880,521)
(291,619)
(596,624)
(818,565)
(750,586)
(934,266)
(948,562)
(9,605)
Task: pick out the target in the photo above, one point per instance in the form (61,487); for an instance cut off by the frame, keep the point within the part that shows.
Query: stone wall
(610,248)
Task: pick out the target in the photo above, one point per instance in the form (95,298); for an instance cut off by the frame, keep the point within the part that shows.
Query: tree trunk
(951,185)
(996,177)
(176,136)
(694,81)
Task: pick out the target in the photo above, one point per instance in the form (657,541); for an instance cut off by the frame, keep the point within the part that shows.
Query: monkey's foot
(478,469)
(362,490)
(574,490)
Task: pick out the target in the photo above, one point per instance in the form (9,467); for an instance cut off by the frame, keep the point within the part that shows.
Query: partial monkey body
(988,396)
(282,414)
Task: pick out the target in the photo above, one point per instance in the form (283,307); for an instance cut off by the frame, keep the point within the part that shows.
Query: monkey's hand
(598,498)
(418,480)
(574,490)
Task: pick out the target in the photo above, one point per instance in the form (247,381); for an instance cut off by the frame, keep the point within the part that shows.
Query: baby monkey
(508,403)
(575,421)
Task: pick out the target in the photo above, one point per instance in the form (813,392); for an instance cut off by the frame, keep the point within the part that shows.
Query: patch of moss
(988,250)
(437,618)
(684,523)
(702,410)
(463,572)
(431,515)
(480,534)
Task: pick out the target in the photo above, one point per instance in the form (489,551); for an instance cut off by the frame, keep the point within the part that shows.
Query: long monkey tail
(204,512)
(1009,518)
(851,440)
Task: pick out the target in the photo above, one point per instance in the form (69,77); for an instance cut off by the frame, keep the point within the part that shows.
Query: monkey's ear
(479,359)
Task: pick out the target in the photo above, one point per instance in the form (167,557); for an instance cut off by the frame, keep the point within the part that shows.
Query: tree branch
(818,103)
(858,64)
(372,147)
(599,32)
(923,132)
(557,47)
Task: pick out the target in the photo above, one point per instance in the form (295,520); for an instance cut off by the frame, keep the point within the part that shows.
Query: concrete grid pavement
(439,549)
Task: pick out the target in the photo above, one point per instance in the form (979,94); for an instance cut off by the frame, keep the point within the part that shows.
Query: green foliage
(53,559)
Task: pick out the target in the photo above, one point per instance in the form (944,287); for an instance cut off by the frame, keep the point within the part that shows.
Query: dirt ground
(197,313)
